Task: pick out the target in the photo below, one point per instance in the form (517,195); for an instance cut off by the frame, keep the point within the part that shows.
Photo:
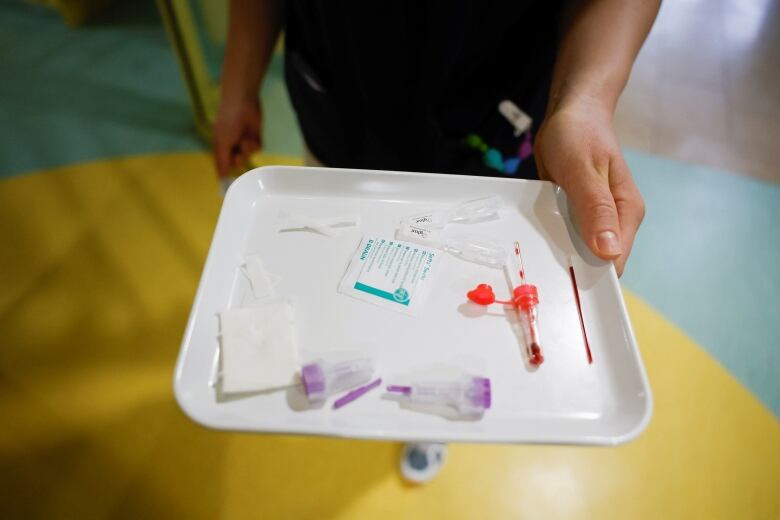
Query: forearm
(598,49)
(252,33)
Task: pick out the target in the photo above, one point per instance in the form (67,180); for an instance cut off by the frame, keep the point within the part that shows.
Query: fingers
(590,195)
(222,156)
(630,207)
(248,146)
(233,153)
(577,150)
(236,134)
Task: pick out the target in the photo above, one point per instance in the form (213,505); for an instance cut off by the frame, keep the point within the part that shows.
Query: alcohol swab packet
(391,273)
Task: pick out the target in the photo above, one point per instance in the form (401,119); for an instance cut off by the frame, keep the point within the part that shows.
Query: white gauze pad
(258,348)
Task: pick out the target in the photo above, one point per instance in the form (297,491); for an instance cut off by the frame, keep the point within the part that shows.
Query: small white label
(516,117)
(418,233)
(429,220)
(422,220)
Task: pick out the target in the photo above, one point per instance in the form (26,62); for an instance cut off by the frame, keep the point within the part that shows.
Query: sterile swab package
(391,273)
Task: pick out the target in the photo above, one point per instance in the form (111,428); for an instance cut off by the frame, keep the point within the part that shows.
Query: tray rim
(185,404)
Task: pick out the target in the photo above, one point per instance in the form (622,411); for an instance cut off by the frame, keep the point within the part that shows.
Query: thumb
(595,208)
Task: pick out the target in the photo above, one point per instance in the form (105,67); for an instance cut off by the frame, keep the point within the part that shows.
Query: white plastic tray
(565,401)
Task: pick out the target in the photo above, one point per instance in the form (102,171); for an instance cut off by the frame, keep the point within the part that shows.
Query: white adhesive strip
(327,226)
(262,282)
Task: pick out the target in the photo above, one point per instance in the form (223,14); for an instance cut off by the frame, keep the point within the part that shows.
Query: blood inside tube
(526,299)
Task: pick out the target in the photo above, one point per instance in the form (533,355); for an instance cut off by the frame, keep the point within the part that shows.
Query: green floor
(109,89)
(706,258)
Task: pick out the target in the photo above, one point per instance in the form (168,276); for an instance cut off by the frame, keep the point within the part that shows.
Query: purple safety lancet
(470,395)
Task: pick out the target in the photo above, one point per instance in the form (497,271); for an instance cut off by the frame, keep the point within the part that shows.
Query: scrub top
(400,85)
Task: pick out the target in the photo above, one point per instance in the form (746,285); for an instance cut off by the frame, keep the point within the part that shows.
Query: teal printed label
(399,296)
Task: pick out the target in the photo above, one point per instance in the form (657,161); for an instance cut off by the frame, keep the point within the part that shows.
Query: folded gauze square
(258,348)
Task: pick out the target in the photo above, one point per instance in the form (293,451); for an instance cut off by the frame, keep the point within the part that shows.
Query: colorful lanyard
(491,157)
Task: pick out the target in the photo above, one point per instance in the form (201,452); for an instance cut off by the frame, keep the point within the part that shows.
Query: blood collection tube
(525,298)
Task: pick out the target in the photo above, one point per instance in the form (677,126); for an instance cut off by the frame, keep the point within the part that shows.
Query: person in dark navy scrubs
(415,86)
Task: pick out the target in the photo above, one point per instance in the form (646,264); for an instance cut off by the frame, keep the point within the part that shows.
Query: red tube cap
(525,296)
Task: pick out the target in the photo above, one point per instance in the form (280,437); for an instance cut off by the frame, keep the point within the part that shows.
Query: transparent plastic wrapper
(470,212)
(478,250)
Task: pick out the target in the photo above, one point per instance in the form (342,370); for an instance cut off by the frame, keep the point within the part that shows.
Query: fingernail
(608,243)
